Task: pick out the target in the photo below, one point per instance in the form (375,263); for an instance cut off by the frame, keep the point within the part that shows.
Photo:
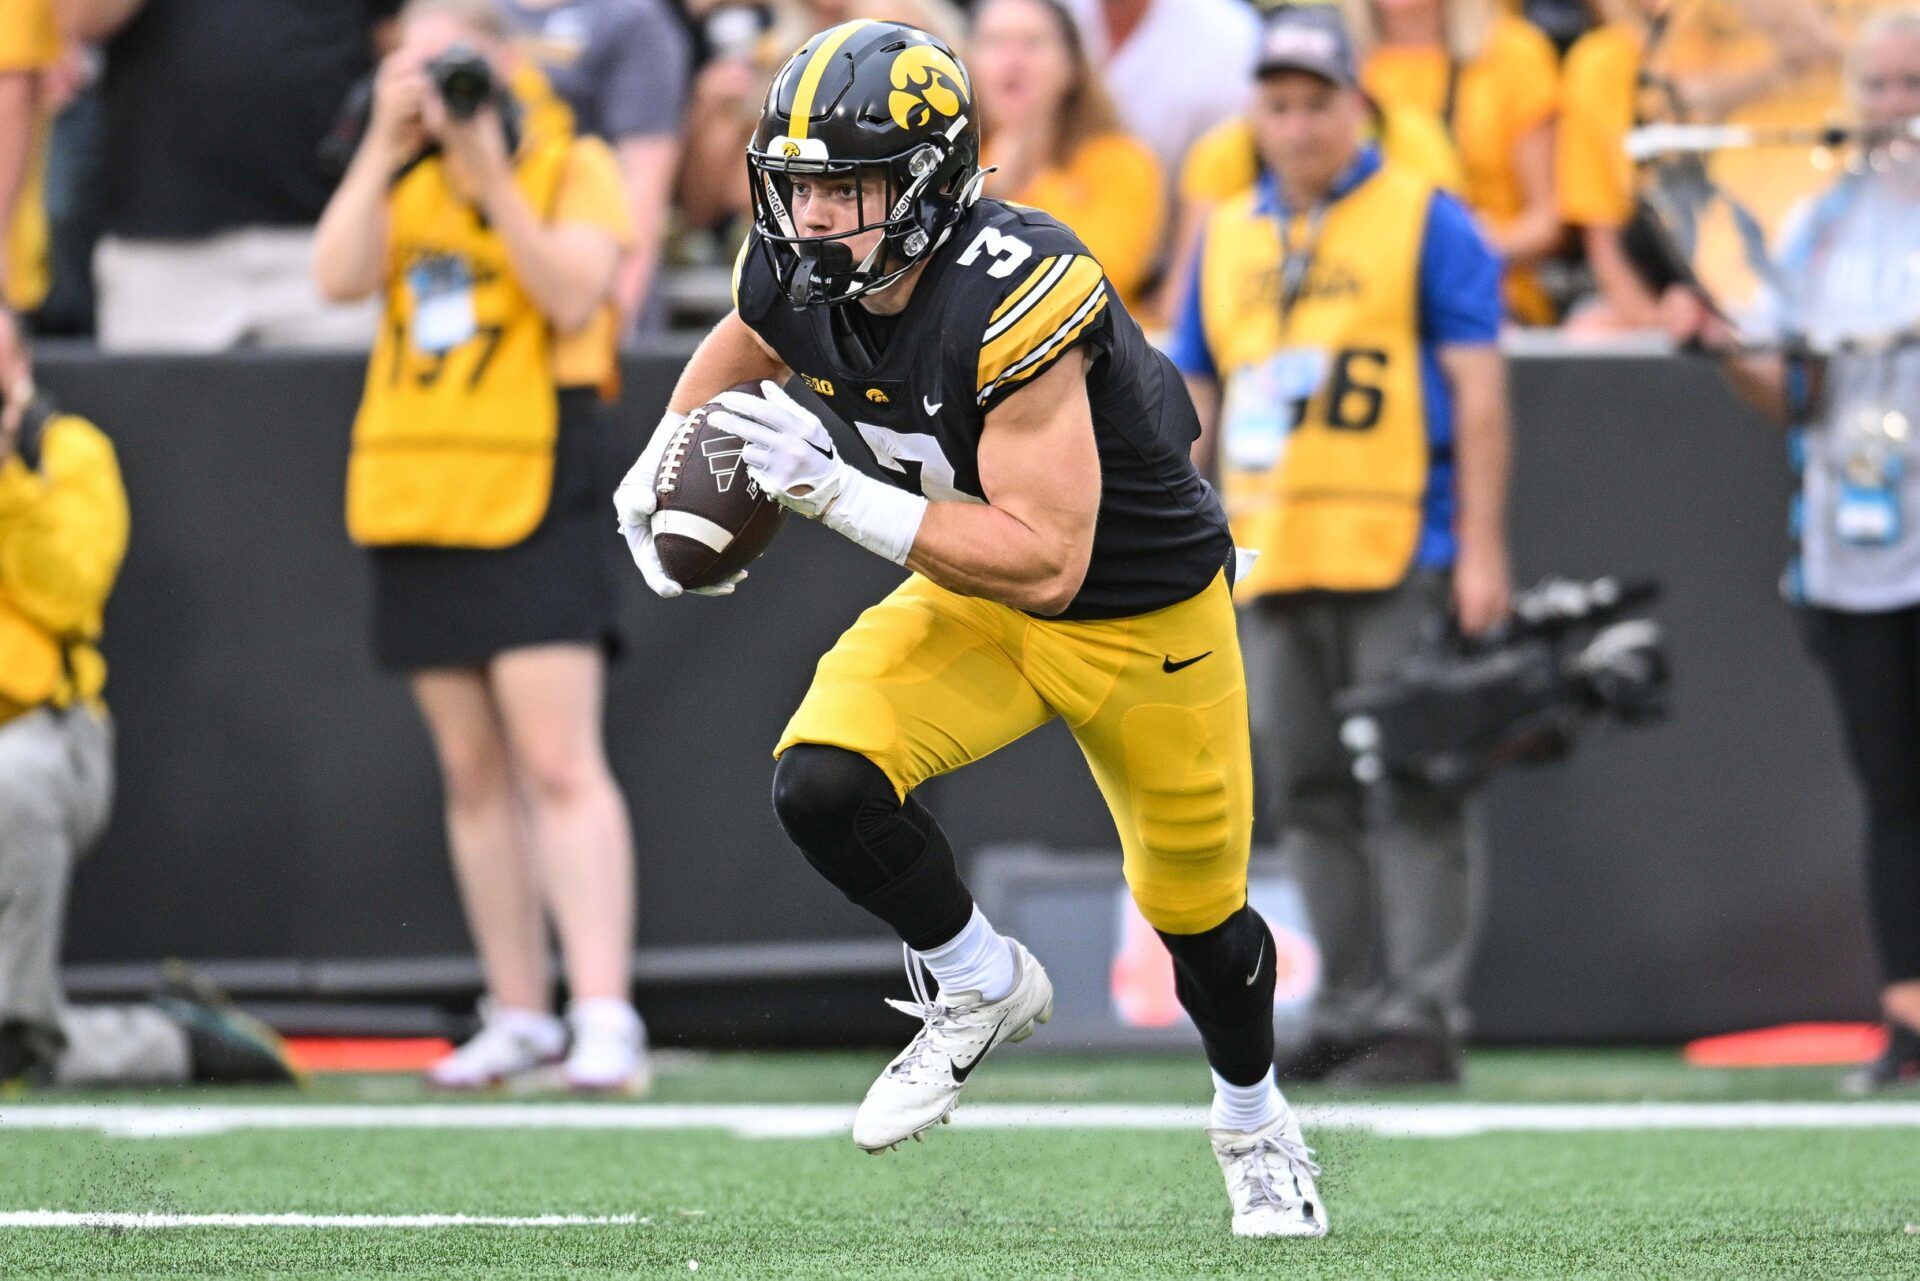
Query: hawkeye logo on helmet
(926,82)
(797,148)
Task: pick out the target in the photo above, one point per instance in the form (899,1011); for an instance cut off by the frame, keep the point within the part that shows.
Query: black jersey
(1008,293)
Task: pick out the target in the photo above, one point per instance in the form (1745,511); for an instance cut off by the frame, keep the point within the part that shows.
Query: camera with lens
(1459,709)
(464,79)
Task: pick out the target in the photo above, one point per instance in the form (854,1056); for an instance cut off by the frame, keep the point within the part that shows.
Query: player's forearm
(729,355)
(985,551)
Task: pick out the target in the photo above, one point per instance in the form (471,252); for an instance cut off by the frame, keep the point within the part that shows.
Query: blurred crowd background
(163,162)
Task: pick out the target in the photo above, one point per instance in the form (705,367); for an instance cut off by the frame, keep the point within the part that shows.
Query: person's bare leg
(1901,1003)
(492,862)
(550,704)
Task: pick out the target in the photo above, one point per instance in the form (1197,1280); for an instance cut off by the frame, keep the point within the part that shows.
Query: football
(712,520)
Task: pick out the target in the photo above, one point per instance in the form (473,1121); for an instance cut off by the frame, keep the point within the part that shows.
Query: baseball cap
(1310,38)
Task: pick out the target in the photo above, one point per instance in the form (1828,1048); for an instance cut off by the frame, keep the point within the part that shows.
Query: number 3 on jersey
(914,455)
(1007,252)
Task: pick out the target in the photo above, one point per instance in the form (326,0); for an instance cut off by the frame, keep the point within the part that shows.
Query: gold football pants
(929,680)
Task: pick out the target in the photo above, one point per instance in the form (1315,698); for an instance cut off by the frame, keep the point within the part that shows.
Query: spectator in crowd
(1174,68)
(63,532)
(1340,340)
(1056,144)
(474,484)
(1226,162)
(1606,83)
(728,90)
(621,65)
(1599,90)
(215,110)
(30,60)
(71,193)
(1850,266)
(1493,80)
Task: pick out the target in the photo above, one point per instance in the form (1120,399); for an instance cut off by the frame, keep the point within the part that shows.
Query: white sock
(545,1031)
(603,1011)
(1246,1107)
(977,959)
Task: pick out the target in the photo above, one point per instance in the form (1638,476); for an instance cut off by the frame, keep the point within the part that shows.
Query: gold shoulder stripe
(817,63)
(1061,339)
(1050,306)
(1033,278)
(739,265)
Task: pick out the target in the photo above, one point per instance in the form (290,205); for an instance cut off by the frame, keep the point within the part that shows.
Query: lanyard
(1297,263)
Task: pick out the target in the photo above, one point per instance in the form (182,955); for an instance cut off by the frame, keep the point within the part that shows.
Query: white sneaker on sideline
(1270,1174)
(921,1085)
(509,1044)
(609,1054)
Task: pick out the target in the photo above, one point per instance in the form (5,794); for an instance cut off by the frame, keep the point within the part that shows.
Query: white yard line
(135,1222)
(772,1121)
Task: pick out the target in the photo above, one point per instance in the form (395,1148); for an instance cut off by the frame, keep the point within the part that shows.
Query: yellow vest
(1335,502)
(455,448)
(63,532)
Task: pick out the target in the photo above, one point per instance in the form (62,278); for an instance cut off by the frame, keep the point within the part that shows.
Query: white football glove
(787,449)
(634,502)
(788,453)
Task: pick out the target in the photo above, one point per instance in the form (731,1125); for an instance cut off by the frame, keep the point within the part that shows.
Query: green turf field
(1740,1202)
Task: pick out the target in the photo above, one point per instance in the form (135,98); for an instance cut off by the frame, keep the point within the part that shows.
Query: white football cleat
(1270,1175)
(508,1045)
(609,1054)
(921,1085)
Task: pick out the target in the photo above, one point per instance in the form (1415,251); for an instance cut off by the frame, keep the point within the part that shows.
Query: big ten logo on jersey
(918,457)
(1007,252)
(819,386)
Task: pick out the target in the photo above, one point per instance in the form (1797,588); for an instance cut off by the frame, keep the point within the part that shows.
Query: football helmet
(859,100)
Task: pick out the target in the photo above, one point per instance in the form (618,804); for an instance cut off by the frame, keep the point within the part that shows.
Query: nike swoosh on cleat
(1261,956)
(960,1074)
(1168,665)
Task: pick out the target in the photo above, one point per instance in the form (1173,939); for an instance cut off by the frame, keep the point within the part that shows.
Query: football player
(1026,456)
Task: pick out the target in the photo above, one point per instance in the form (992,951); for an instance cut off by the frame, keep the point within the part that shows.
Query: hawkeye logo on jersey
(877,396)
(820,386)
(926,82)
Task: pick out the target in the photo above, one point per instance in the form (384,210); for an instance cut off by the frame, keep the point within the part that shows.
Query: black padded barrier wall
(277,796)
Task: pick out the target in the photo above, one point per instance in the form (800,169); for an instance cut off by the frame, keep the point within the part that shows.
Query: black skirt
(458,607)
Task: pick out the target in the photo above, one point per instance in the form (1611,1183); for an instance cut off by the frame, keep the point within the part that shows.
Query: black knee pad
(820,792)
(886,855)
(1225,981)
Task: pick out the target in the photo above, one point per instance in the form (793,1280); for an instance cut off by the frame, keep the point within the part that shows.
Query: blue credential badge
(1867,510)
(443,315)
(1264,404)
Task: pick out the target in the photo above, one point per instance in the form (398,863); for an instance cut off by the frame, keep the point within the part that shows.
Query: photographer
(1339,337)
(63,532)
(1850,266)
(493,236)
